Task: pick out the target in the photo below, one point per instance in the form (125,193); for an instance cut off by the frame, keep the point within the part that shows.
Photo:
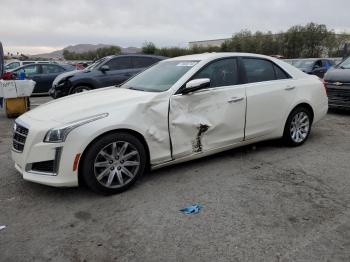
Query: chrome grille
(20,134)
(338,96)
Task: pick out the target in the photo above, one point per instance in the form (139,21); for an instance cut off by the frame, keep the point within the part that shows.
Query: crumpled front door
(207,119)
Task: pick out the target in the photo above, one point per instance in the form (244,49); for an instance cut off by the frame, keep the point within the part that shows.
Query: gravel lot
(263,202)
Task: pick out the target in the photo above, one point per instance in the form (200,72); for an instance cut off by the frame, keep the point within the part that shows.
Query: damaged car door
(212,117)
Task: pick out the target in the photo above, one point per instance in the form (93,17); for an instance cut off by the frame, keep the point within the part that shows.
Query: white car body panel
(223,124)
(192,115)
(267,105)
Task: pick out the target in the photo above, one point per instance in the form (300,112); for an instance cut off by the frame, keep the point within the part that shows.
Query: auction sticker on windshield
(190,64)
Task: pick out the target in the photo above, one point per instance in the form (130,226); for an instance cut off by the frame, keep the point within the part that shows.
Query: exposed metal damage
(197,143)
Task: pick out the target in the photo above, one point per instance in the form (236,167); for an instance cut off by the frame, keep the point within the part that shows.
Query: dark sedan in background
(337,81)
(317,66)
(108,71)
(42,74)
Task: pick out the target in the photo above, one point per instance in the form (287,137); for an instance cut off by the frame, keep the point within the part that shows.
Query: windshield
(345,64)
(160,77)
(303,63)
(96,64)
(12,66)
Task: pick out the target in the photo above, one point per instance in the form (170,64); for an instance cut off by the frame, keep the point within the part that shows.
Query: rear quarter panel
(310,90)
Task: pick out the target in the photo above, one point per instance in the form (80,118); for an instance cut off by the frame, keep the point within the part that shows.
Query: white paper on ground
(2,227)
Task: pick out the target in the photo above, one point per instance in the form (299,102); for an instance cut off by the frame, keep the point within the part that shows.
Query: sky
(40,26)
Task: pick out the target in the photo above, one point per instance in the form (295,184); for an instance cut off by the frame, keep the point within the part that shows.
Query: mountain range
(82,48)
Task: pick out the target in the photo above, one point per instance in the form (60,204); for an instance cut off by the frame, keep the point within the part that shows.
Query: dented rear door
(211,118)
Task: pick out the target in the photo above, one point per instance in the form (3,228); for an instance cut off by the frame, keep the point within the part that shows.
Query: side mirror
(196,84)
(104,68)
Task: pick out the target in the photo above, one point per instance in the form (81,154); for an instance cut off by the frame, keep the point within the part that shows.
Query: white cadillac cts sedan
(177,110)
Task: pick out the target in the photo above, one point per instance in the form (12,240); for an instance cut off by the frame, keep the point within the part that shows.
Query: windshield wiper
(138,89)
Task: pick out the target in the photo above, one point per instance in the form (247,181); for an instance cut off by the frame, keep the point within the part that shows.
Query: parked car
(177,110)
(312,66)
(42,74)
(338,85)
(15,64)
(110,70)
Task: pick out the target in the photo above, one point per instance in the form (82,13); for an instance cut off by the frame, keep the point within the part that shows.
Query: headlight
(59,134)
(61,83)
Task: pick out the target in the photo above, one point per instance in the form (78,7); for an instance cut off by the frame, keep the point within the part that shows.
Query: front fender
(150,120)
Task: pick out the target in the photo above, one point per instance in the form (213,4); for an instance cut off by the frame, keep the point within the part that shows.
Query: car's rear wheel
(80,89)
(298,127)
(113,163)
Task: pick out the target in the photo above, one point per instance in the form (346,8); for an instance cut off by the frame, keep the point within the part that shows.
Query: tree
(311,40)
(148,48)
(92,55)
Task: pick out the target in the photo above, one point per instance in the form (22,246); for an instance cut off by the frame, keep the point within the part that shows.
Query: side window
(318,64)
(258,70)
(51,69)
(280,74)
(141,62)
(221,73)
(327,63)
(31,70)
(119,63)
(12,66)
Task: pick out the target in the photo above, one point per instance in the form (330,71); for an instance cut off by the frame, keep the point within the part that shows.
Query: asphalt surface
(263,202)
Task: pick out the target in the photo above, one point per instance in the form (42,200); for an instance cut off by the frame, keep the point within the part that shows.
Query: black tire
(90,172)
(287,134)
(79,89)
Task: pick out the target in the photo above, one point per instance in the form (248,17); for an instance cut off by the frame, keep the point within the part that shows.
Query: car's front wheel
(113,163)
(80,89)
(298,127)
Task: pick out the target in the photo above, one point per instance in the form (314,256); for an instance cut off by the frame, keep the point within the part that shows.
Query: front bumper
(61,177)
(58,91)
(46,163)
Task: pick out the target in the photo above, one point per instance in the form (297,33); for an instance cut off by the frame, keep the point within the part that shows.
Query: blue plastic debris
(193,209)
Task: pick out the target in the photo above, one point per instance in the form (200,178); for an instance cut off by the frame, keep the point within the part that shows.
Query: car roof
(137,55)
(208,57)
(211,56)
(37,64)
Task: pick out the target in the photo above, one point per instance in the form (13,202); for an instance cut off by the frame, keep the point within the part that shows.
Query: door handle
(235,99)
(289,88)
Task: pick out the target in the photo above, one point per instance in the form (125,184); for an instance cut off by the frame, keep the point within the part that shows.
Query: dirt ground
(264,202)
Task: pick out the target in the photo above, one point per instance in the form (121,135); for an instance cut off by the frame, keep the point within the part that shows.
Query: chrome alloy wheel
(116,164)
(299,128)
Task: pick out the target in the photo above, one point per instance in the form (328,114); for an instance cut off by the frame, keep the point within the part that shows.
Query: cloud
(38,25)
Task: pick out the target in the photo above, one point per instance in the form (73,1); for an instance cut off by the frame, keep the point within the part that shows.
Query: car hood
(67,74)
(86,104)
(338,75)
